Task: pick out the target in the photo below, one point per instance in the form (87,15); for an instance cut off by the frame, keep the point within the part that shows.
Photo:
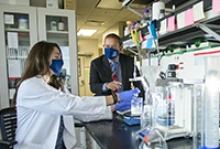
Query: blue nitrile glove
(128,95)
(121,106)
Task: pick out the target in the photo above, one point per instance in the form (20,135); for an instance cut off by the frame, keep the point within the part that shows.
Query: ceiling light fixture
(86,32)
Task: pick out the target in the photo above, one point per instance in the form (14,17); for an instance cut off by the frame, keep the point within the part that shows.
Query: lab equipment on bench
(211,108)
(175,114)
(131,121)
(131,117)
(128,118)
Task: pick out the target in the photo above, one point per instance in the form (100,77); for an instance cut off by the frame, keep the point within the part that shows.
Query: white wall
(86,47)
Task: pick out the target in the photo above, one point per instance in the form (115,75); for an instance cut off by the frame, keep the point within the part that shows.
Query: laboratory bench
(115,134)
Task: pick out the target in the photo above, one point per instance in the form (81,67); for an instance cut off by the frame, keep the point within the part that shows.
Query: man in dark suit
(102,81)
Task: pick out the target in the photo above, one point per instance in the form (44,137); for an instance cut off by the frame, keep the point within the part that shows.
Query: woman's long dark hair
(38,64)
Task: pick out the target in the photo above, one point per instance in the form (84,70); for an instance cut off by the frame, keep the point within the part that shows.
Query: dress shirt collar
(115,60)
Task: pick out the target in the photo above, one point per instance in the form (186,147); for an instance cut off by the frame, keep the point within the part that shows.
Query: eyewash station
(179,58)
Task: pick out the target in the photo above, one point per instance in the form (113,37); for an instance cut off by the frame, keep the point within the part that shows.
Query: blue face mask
(56,66)
(111,53)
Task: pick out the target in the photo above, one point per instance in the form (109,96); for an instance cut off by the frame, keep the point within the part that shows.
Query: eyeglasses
(116,46)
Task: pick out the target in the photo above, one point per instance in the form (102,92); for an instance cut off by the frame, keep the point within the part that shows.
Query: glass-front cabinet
(59,26)
(21,27)
(18,33)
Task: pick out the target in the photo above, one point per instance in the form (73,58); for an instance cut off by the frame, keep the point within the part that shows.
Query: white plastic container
(126,31)
(22,23)
(61,26)
(136,106)
(53,25)
(157,6)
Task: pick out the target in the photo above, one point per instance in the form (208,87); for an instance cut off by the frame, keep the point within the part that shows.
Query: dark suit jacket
(100,73)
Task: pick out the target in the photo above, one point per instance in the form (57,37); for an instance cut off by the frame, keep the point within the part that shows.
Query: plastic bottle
(61,26)
(146,117)
(161,14)
(127,28)
(53,25)
(146,14)
(156,7)
(171,71)
(146,17)
(22,23)
(133,25)
(137,25)
(136,105)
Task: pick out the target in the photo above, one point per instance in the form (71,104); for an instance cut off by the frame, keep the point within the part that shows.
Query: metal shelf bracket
(126,3)
(206,29)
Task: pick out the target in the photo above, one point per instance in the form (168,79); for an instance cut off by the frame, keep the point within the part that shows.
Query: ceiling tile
(109,4)
(84,10)
(99,18)
(86,3)
(105,12)
(132,17)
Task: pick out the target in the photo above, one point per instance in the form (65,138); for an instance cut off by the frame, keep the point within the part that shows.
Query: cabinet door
(59,26)
(18,34)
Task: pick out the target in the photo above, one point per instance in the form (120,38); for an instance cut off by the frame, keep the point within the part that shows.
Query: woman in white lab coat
(45,107)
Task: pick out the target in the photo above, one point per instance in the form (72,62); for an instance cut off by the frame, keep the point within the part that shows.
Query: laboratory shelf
(16,30)
(57,32)
(187,33)
(184,35)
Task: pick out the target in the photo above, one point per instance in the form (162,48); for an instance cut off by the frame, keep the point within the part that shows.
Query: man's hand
(114,85)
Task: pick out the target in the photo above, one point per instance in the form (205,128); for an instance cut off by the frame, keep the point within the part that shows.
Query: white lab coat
(39,107)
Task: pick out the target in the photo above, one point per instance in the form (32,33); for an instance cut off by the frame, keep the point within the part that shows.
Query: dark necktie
(114,73)
(60,143)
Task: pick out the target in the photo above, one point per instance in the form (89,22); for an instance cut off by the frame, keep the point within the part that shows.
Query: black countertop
(115,134)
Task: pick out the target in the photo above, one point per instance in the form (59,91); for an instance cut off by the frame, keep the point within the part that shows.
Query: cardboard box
(52,4)
(70,4)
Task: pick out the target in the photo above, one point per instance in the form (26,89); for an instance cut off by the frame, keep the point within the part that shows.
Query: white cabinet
(91,143)
(21,27)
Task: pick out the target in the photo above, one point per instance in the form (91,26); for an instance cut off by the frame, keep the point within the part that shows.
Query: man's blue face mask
(56,66)
(111,53)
